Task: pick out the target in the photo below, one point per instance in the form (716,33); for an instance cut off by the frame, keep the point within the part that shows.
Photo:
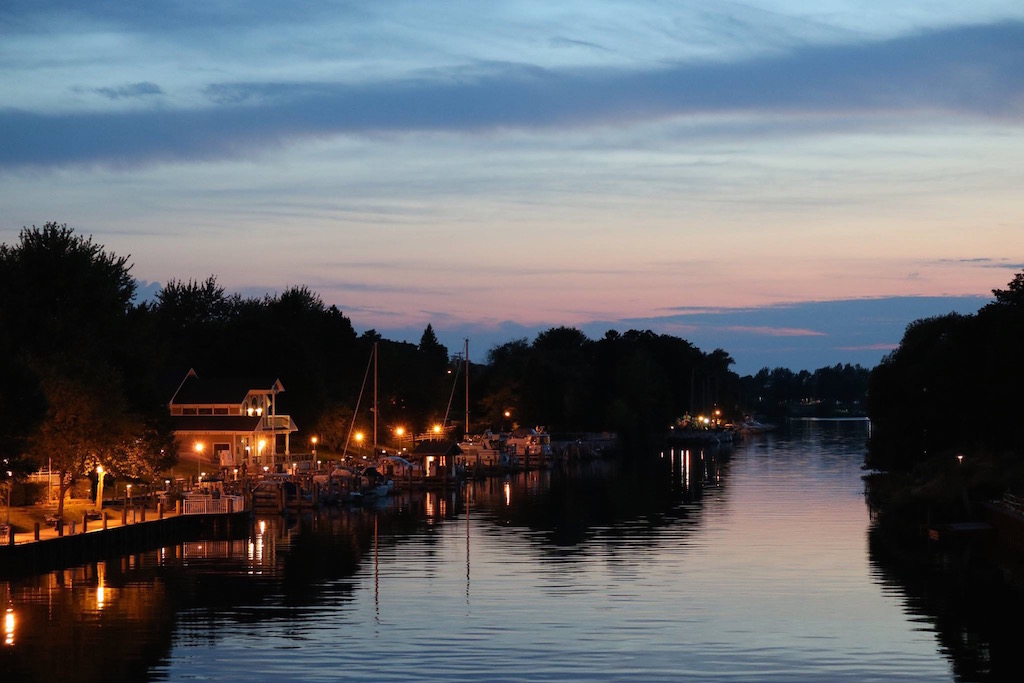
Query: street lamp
(199,455)
(99,487)
(313,441)
(399,433)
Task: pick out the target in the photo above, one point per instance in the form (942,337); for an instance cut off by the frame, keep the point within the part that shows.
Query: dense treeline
(831,391)
(89,371)
(953,385)
(636,382)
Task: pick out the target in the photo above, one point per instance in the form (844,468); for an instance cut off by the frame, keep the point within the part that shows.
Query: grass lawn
(23,519)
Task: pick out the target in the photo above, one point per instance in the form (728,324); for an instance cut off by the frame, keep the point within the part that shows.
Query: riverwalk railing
(208,505)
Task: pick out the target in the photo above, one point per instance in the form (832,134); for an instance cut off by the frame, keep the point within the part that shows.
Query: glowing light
(314,440)
(359,437)
(199,447)
(437,429)
(508,494)
(9,627)
(99,469)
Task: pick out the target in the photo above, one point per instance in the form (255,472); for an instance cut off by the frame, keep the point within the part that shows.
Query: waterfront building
(231,423)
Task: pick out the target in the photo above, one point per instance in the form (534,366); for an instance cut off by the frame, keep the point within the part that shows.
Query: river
(751,564)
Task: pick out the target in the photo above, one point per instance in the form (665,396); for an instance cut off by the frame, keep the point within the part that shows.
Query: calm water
(762,574)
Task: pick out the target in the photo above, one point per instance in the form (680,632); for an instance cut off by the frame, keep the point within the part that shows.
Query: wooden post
(104,521)
(143,513)
(10,535)
(85,522)
(160,510)
(36,533)
(60,527)
(177,507)
(72,527)
(124,515)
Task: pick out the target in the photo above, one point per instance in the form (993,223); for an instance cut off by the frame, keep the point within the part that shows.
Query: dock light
(259,412)
(437,429)
(9,627)
(167,484)
(266,468)
(508,413)
(249,411)
(960,458)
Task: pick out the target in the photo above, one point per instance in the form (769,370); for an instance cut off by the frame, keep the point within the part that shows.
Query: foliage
(68,343)
(830,391)
(952,385)
(82,425)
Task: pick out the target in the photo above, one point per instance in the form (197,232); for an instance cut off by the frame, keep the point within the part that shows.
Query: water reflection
(966,599)
(698,564)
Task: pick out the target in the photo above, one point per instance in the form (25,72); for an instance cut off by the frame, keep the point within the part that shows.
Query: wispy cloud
(964,72)
(768,331)
(129,90)
(868,347)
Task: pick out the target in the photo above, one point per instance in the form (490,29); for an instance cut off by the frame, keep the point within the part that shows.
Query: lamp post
(199,456)
(399,433)
(10,485)
(359,436)
(99,487)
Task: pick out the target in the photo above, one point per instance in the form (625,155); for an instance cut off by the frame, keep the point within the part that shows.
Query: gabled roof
(437,447)
(206,391)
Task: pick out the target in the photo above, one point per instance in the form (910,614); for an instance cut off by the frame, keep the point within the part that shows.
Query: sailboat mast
(467,388)
(375,399)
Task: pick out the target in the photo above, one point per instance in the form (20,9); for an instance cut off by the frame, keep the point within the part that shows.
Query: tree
(66,334)
(80,428)
(1013,295)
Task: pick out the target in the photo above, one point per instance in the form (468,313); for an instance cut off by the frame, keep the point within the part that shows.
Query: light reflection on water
(763,575)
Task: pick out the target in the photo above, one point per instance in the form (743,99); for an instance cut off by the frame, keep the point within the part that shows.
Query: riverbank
(948,515)
(126,534)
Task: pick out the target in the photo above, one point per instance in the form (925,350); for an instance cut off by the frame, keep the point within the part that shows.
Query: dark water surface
(761,574)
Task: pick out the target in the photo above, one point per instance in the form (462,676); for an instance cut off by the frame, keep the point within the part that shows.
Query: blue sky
(792,183)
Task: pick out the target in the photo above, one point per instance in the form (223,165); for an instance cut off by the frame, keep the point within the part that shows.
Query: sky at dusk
(793,182)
